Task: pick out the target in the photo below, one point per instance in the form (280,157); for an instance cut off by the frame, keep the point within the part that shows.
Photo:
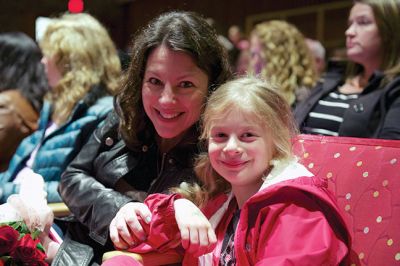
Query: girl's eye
(186,84)
(248,135)
(155,81)
(218,136)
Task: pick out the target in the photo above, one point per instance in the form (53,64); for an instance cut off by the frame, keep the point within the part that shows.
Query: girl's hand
(125,229)
(197,235)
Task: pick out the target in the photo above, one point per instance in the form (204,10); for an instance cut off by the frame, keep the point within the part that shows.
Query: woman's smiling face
(174,91)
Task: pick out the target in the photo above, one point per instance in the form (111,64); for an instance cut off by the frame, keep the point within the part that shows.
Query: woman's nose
(167,94)
(350,30)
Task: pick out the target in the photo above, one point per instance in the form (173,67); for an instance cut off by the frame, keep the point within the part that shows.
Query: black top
(227,257)
(327,115)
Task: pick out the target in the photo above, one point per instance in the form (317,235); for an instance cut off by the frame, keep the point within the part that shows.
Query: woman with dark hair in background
(150,143)
(365,101)
(23,84)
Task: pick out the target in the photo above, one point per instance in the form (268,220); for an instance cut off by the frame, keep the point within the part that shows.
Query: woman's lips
(350,44)
(168,116)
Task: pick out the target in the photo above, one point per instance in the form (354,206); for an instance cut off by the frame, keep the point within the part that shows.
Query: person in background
(83,69)
(224,41)
(148,145)
(278,51)
(23,84)
(318,52)
(240,54)
(262,204)
(363,101)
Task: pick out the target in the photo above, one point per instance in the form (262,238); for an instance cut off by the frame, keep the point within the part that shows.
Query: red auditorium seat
(364,175)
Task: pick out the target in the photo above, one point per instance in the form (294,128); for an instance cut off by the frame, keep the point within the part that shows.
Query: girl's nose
(232,147)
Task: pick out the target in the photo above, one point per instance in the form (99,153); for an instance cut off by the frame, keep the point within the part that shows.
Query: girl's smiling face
(240,149)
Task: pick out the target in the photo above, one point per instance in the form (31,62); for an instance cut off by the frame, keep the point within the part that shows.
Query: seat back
(364,176)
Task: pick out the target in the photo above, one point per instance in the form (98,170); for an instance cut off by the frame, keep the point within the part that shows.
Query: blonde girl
(262,205)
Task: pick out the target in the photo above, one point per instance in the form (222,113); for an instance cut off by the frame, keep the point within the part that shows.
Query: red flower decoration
(27,251)
(8,239)
(19,246)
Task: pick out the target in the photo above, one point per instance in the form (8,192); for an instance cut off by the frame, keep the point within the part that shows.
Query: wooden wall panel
(321,19)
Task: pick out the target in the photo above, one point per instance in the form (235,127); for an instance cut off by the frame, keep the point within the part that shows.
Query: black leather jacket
(373,115)
(106,175)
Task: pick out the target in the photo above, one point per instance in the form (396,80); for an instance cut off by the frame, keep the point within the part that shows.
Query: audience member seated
(364,101)
(240,55)
(148,145)
(83,69)
(318,53)
(23,84)
(279,53)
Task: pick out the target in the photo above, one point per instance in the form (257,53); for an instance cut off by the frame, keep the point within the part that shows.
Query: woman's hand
(125,229)
(197,235)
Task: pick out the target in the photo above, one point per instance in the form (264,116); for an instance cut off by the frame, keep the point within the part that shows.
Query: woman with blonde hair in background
(83,70)
(279,53)
(364,100)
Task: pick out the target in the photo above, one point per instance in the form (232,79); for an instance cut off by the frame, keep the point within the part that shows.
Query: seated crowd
(181,153)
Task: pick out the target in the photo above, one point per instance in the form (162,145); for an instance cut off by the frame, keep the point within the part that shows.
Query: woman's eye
(363,22)
(186,84)
(155,81)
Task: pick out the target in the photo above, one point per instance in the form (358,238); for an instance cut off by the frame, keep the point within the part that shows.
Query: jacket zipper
(162,165)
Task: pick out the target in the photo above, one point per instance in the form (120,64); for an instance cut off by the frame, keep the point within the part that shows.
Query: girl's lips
(234,164)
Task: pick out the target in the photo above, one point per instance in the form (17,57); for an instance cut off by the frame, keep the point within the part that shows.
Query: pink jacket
(290,221)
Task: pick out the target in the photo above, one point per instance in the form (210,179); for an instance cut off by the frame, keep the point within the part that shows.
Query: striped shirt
(327,115)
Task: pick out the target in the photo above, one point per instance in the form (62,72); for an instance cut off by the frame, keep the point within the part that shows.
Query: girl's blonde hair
(85,56)
(286,58)
(251,96)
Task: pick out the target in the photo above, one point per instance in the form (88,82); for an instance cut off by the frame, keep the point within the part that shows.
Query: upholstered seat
(364,175)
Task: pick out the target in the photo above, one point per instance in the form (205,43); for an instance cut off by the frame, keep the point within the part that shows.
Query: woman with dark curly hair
(150,143)
(23,84)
